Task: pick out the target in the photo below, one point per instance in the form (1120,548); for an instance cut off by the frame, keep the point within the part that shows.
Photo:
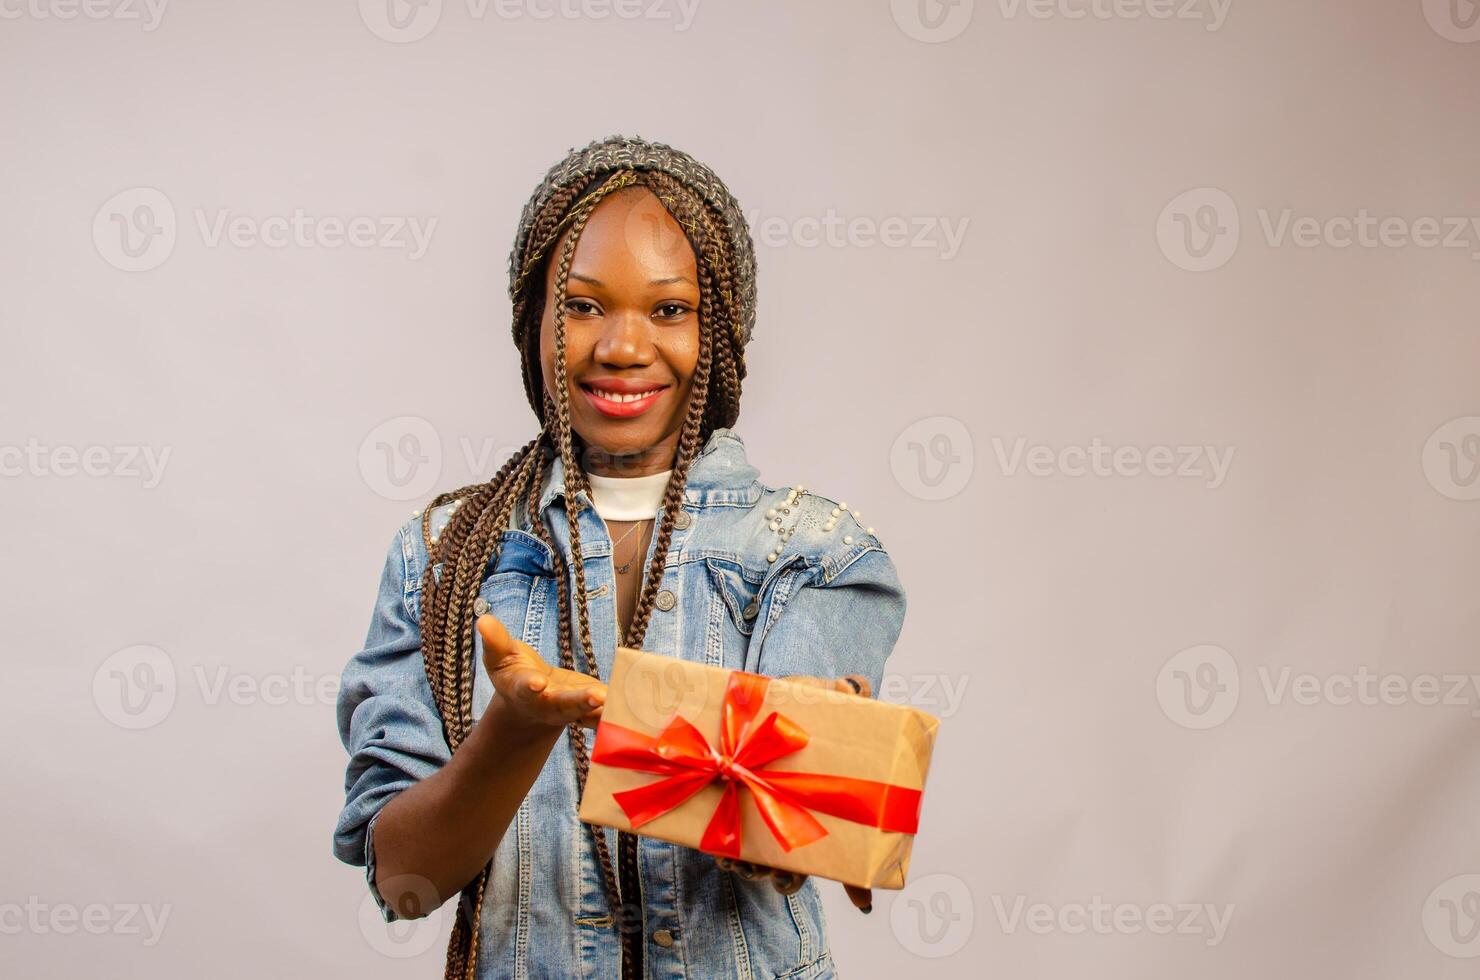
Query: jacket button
(665,600)
(480,606)
(750,610)
(663,938)
(682,519)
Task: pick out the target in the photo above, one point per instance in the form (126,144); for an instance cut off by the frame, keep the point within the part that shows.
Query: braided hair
(459,554)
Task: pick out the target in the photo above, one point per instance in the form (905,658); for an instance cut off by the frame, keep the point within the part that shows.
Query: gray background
(1149,672)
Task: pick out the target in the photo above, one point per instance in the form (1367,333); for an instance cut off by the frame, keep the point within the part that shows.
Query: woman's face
(631,334)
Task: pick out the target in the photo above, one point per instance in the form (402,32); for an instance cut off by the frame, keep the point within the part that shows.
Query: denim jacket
(822,599)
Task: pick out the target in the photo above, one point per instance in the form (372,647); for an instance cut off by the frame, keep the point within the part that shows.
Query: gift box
(761,769)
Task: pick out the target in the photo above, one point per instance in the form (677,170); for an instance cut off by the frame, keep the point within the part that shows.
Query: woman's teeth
(613,396)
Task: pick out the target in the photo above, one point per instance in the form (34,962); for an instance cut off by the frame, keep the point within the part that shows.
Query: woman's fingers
(852,684)
(788,882)
(575,701)
(527,684)
(785,882)
(559,704)
(862,898)
(810,681)
(583,688)
(750,872)
(547,704)
(746,870)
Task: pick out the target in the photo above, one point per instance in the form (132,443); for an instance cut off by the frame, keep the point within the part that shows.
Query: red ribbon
(682,754)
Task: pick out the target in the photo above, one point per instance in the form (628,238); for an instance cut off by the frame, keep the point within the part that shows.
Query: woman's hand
(788,882)
(536,693)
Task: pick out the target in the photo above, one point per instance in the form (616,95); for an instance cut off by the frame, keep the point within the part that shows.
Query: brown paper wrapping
(849,736)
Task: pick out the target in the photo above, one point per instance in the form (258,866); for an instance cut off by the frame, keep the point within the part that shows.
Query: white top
(628,498)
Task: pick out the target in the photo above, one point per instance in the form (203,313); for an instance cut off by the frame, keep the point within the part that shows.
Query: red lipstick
(622,398)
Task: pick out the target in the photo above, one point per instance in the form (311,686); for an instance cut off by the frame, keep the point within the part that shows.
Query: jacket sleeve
(387,719)
(838,621)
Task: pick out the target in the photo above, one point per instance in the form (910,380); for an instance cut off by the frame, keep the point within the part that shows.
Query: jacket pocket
(516,586)
(739,589)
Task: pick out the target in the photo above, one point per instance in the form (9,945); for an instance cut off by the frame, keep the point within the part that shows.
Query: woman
(633,287)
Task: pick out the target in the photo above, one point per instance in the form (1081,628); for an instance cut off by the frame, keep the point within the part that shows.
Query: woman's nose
(626,340)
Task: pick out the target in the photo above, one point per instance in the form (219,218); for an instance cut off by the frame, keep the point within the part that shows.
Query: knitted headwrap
(585,169)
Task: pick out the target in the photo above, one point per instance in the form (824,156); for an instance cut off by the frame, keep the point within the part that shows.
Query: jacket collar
(720,474)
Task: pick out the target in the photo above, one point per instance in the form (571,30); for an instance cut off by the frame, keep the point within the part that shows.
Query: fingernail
(857,687)
(868,908)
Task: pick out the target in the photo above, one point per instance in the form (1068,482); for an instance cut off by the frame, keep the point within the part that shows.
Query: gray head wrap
(581,167)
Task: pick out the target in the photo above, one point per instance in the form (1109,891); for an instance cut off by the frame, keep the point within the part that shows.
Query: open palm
(542,695)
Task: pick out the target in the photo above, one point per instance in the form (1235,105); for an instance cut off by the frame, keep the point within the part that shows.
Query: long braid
(449,591)
(575,479)
(678,203)
(456,559)
(688,449)
(464,549)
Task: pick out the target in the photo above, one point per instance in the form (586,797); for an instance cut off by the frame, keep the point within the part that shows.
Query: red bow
(681,753)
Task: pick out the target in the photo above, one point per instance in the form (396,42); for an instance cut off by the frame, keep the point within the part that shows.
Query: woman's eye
(581,307)
(672,311)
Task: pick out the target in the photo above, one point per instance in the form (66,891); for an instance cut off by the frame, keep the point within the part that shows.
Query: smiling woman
(631,333)
(502,604)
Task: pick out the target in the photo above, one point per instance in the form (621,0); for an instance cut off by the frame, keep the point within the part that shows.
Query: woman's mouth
(622,400)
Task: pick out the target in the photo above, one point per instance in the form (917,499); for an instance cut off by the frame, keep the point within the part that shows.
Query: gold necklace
(622,569)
